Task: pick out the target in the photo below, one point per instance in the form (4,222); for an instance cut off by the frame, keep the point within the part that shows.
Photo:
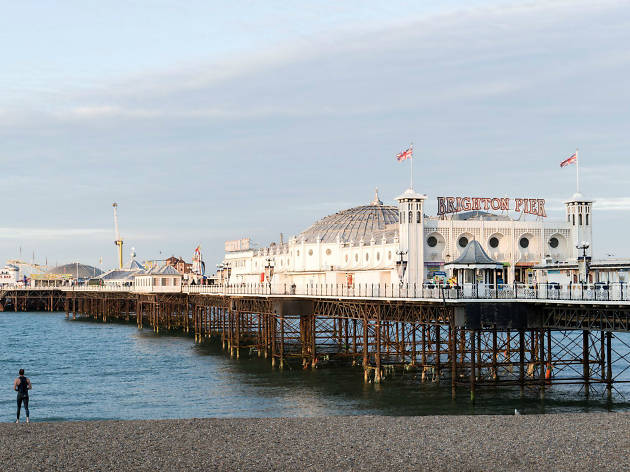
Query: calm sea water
(85,370)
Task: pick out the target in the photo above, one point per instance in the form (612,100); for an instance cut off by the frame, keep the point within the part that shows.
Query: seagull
(516,412)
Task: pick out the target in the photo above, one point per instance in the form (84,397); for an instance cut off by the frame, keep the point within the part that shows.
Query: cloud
(612,204)
(271,141)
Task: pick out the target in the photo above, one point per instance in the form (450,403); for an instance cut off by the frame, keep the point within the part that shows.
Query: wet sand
(598,441)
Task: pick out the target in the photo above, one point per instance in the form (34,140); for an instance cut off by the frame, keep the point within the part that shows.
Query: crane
(118,242)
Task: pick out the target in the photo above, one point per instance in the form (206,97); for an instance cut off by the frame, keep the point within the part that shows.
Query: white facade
(163,279)
(363,244)
(9,275)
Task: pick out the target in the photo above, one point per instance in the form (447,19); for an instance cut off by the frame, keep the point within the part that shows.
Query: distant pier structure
(530,340)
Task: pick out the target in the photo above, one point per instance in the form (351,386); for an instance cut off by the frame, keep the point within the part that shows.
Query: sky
(208,121)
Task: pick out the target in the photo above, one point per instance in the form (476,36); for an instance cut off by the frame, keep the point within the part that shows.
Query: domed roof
(355,224)
(578,198)
(74,268)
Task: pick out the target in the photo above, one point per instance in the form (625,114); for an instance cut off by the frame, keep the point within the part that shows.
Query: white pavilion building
(392,244)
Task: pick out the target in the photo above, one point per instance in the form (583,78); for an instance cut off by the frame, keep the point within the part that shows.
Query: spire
(376,200)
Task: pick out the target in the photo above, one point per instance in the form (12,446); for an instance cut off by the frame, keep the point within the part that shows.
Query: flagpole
(577,170)
(411,166)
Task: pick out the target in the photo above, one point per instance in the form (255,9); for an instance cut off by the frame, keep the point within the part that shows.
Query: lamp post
(401,266)
(583,261)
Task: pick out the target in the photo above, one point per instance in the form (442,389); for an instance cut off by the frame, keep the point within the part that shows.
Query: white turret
(411,234)
(580,217)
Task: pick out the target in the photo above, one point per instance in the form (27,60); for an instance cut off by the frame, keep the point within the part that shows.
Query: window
(432,241)
(573,220)
(463,241)
(494,242)
(554,243)
(587,219)
(367,257)
(310,252)
(580,219)
(328,252)
(411,217)
(389,255)
(568,218)
(378,256)
(346,257)
(418,217)
(524,243)
(356,258)
(298,253)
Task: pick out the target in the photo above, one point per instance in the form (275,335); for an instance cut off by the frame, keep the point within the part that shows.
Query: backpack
(23,387)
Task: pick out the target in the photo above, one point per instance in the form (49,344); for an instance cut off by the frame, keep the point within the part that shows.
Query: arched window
(411,217)
(418,217)
(580,219)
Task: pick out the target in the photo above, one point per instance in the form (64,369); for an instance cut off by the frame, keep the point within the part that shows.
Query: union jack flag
(406,154)
(570,160)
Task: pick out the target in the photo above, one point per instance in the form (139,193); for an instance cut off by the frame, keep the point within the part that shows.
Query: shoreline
(564,441)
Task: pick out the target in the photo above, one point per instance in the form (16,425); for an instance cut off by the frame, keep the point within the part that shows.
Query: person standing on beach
(22,385)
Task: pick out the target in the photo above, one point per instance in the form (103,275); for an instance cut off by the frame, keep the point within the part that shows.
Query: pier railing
(610,292)
(619,291)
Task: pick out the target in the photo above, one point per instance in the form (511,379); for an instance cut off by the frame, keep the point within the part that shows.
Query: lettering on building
(531,206)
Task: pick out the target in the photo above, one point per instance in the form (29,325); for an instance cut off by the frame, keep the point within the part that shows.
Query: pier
(474,337)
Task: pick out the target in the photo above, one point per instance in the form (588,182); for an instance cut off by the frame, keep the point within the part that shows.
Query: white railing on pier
(612,292)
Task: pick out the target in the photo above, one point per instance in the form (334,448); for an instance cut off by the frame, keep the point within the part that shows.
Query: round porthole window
(554,243)
(494,242)
(328,252)
(432,241)
(463,241)
(524,243)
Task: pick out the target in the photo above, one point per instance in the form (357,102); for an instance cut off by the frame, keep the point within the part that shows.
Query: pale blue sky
(209,121)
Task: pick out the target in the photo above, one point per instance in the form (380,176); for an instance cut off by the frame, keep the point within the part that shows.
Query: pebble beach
(596,441)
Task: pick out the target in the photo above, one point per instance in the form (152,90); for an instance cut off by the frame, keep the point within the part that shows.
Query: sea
(88,370)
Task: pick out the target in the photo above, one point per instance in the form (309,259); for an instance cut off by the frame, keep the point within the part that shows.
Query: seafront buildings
(391,244)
